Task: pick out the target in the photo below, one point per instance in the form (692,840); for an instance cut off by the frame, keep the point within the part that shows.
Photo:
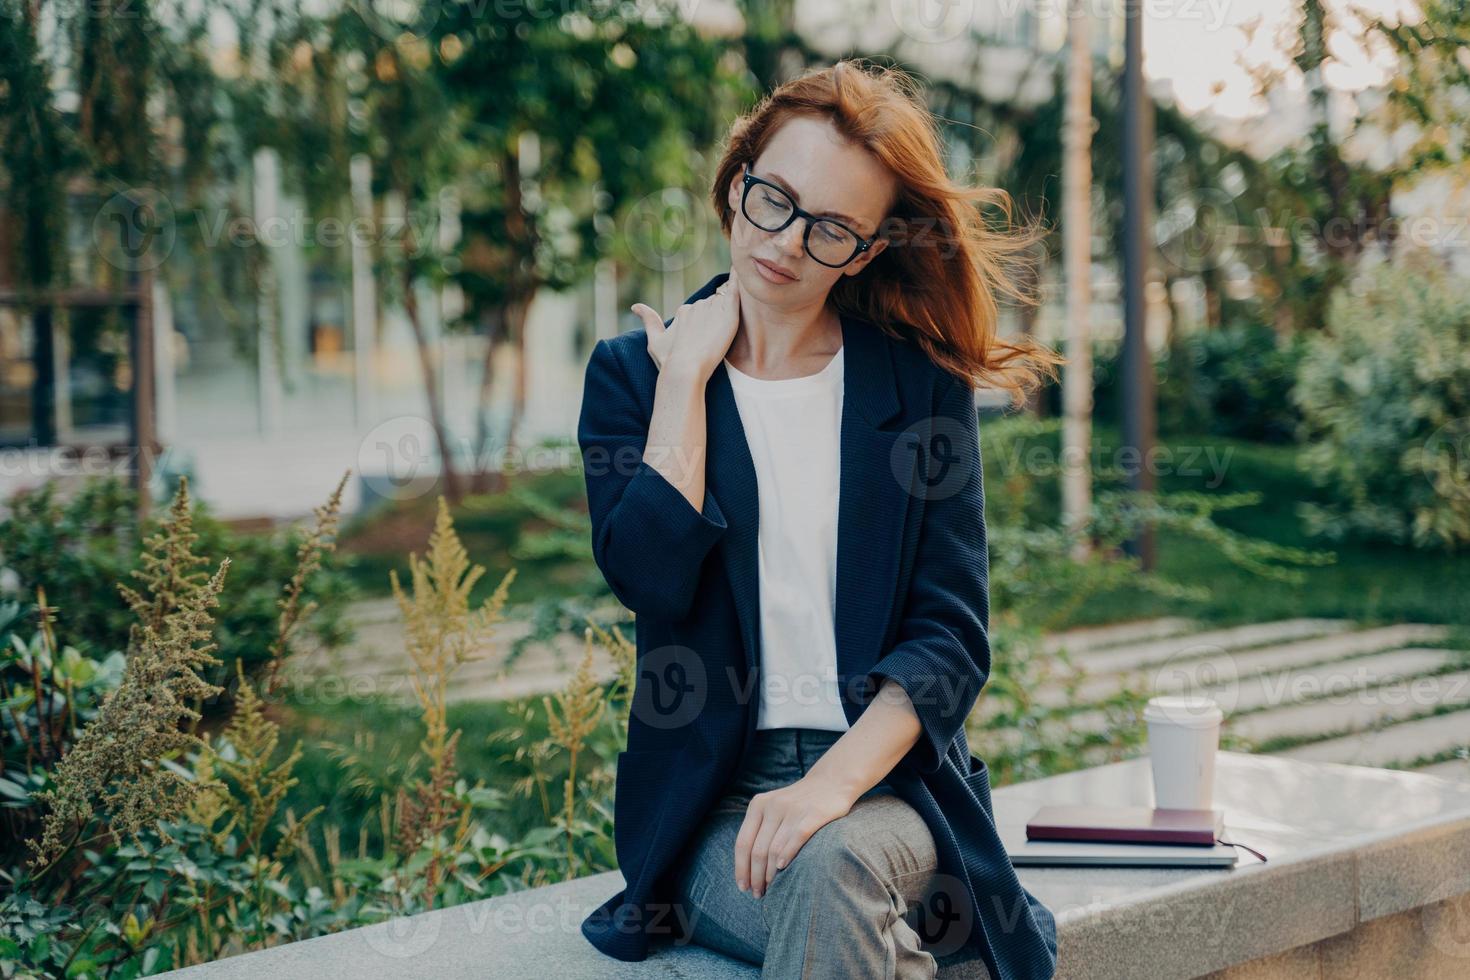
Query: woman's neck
(777,344)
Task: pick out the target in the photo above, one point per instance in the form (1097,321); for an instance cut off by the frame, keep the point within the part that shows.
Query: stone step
(397,686)
(1130,656)
(379,609)
(518,686)
(388,653)
(379,641)
(1357,710)
(1306,697)
(1086,638)
(1215,670)
(542,668)
(1394,745)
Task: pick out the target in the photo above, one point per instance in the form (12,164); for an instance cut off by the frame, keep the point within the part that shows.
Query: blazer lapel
(873,506)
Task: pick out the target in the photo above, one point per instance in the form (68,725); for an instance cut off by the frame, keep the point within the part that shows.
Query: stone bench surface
(1346,845)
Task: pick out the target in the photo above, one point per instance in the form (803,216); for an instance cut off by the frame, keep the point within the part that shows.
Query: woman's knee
(830,866)
(881,847)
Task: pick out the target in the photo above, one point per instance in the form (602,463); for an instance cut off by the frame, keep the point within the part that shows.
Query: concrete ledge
(1367,870)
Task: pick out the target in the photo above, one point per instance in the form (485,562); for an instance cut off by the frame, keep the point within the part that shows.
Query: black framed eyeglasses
(770,208)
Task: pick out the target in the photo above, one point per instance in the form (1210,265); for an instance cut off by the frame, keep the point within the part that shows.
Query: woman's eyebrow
(786,186)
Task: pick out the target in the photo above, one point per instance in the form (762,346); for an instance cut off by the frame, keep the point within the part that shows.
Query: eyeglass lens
(770,209)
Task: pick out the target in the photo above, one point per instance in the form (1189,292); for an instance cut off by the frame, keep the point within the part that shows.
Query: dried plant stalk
(442,632)
(321,541)
(575,716)
(115,764)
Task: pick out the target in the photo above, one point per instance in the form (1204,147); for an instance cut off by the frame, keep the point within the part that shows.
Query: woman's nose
(789,238)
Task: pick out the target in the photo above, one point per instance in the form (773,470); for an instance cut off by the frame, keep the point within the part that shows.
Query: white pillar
(364,315)
(605,310)
(266,205)
(61,352)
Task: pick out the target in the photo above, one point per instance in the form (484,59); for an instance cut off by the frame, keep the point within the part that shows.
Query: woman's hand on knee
(777,824)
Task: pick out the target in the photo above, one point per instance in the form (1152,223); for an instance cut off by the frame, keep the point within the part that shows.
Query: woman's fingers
(711,324)
(745,843)
(768,841)
(752,844)
(773,855)
(787,843)
(650,318)
(761,857)
(780,846)
(654,325)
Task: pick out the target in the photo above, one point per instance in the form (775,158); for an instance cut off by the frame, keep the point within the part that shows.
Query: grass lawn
(500,530)
(1374,583)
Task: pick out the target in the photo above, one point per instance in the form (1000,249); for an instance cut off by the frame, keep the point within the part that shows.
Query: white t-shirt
(793,427)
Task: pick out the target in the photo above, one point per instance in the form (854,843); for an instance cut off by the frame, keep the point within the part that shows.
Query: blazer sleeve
(941,651)
(647,539)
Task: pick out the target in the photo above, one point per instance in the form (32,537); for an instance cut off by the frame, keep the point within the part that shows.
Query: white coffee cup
(1183,736)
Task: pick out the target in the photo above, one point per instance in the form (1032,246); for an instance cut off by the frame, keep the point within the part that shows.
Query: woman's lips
(772,274)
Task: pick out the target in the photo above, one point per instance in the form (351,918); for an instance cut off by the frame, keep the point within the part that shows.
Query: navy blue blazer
(912,604)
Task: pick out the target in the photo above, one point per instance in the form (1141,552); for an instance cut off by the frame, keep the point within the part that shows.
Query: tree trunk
(517,330)
(523,238)
(1077,258)
(480,479)
(1214,299)
(486,479)
(452,488)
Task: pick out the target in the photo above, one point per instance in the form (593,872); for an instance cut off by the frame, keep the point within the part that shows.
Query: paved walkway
(1320,690)
(377,661)
(1314,689)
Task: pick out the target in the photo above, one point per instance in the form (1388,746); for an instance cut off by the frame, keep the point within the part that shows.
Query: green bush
(133,845)
(78,547)
(1231,382)
(1385,396)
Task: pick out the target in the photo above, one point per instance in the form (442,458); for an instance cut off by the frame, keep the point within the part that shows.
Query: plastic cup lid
(1188,710)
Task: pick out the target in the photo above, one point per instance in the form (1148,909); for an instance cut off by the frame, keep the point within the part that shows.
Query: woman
(784,484)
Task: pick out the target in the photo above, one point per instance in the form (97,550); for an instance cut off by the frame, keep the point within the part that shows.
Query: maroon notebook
(1126,825)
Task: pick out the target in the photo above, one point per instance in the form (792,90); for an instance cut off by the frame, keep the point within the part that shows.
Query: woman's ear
(861,262)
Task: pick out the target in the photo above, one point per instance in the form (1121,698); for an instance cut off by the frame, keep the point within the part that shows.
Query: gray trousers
(842,907)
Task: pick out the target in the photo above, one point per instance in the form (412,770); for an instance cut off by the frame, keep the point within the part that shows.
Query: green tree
(580,130)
